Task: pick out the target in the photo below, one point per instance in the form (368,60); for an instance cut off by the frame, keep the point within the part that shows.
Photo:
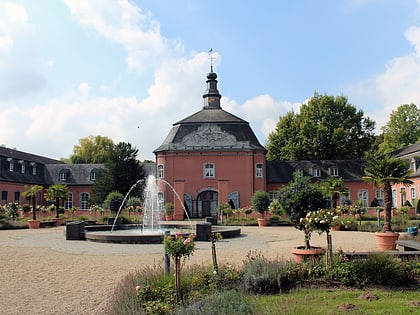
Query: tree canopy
(122,170)
(92,149)
(327,128)
(402,129)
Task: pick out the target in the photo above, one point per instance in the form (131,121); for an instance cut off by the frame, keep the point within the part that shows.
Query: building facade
(20,169)
(208,158)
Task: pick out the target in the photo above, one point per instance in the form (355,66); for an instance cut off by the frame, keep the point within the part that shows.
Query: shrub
(263,276)
(227,302)
(382,269)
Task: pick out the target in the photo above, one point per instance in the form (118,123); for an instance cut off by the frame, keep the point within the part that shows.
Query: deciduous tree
(327,128)
(402,129)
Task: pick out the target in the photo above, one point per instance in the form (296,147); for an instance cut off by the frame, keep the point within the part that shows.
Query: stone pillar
(179,186)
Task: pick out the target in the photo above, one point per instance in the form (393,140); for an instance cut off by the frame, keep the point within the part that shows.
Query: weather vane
(210,53)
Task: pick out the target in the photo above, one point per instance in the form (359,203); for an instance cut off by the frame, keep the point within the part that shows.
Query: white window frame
(68,203)
(334,171)
(413,195)
(93,175)
(84,201)
(33,168)
(209,170)
(316,172)
(62,177)
(161,171)
(394,197)
(363,196)
(299,172)
(259,171)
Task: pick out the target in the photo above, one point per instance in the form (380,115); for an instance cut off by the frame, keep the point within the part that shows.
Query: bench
(409,245)
(403,255)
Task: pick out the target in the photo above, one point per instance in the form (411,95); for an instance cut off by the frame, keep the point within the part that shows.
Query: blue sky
(129,69)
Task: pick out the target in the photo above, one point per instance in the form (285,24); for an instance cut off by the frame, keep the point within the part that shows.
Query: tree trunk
(329,251)
(33,208)
(178,279)
(388,206)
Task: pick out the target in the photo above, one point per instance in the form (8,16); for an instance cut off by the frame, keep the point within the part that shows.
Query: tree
(300,197)
(31,192)
(402,129)
(334,188)
(91,150)
(327,128)
(260,201)
(385,172)
(57,193)
(121,172)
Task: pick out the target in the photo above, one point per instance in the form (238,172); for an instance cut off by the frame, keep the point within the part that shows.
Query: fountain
(152,230)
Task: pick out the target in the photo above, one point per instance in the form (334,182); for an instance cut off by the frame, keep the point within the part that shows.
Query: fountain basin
(131,234)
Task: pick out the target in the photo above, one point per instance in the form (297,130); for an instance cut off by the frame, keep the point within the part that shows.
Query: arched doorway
(207,203)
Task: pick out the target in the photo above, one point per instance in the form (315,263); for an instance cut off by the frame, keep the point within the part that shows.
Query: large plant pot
(34,224)
(58,221)
(301,254)
(169,217)
(386,240)
(336,228)
(262,222)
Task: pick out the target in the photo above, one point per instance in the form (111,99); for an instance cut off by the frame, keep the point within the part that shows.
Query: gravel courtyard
(42,273)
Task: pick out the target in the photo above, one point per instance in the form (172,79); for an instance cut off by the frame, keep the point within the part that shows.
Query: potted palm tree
(31,192)
(57,192)
(385,172)
(260,201)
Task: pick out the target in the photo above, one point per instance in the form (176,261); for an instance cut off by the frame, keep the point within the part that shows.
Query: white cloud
(127,25)
(397,85)
(18,53)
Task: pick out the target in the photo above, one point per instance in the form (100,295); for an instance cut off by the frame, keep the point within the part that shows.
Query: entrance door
(207,203)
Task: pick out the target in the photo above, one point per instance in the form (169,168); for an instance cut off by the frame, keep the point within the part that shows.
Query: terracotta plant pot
(58,221)
(336,228)
(386,240)
(262,222)
(301,254)
(34,224)
(169,217)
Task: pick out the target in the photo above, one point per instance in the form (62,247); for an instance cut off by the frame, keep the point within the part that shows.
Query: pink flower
(137,287)
(187,240)
(177,234)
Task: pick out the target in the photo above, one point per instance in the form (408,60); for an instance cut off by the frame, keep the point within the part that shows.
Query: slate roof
(408,151)
(77,174)
(282,171)
(210,129)
(19,155)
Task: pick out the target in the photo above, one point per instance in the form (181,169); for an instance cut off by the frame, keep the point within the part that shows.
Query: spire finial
(210,53)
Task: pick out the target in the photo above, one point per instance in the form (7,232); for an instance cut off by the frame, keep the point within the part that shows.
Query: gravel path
(42,273)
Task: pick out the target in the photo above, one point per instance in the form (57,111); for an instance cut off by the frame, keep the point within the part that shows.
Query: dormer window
(11,164)
(316,172)
(413,165)
(93,174)
(63,175)
(334,171)
(22,166)
(33,165)
(299,172)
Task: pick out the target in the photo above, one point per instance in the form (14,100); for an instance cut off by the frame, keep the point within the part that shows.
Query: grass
(340,301)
